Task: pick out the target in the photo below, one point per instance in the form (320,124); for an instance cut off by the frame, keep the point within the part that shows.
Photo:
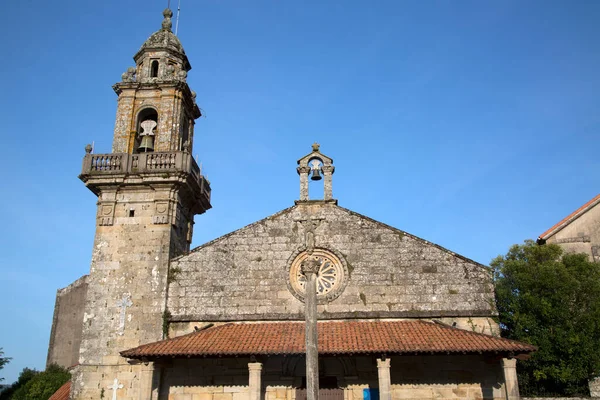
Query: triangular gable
(350,212)
(569,219)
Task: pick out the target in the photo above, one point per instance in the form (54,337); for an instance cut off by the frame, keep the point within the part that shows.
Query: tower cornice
(189,96)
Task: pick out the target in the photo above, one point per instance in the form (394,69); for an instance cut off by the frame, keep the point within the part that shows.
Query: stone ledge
(329,316)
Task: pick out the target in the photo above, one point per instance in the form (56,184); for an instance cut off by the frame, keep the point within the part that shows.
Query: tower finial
(316,146)
(167,24)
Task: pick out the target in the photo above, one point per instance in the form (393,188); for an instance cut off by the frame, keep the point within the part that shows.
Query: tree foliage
(35,385)
(25,376)
(551,300)
(43,385)
(3,361)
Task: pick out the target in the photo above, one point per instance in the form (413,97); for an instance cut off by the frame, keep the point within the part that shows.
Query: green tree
(3,361)
(25,376)
(43,385)
(551,300)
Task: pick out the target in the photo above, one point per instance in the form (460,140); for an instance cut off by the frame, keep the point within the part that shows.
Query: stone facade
(392,274)
(65,337)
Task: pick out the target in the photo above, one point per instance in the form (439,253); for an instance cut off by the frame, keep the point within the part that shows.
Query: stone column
(146,381)
(310,268)
(327,182)
(254,381)
(594,385)
(385,383)
(511,384)
(303,172)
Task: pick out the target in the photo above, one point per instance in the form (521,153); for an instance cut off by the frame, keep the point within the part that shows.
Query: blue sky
(471,124)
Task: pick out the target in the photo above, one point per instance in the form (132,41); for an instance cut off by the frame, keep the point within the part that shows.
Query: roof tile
(62,393)
(344,337)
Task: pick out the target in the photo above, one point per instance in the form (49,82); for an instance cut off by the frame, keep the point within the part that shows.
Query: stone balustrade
(96,165)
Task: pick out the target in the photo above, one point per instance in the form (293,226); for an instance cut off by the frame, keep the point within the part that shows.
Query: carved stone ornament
(331,270)
(106,215)
(129,75)
(167,24)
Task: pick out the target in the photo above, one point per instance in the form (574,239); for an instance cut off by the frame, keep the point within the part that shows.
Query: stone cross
(310,268)
(123,304)
(115,386)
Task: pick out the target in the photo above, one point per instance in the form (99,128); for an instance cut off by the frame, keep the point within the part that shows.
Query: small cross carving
(123,304)
(115,386)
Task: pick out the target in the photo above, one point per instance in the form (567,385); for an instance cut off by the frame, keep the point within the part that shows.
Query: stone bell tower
(149,189)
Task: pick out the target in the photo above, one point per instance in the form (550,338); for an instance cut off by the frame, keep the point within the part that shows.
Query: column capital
(255,366)
(303,170)
(311,265)
(509,363)
(328,169)
(383,363)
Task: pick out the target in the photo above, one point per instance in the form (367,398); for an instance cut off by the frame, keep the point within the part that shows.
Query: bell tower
(149,189)
(156,90)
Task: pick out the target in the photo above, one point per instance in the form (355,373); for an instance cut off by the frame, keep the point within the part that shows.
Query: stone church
(398,317)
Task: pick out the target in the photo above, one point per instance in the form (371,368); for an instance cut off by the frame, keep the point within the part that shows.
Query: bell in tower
(147,135)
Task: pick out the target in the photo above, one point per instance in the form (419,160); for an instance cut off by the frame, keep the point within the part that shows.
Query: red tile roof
(347,337)
(570,218)
(62,393)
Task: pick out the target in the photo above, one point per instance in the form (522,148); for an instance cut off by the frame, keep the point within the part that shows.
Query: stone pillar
(254,381)
(303,172)
(385,383)
(146,381)
(327,182)
(310,268)
(511,384)
(594,385)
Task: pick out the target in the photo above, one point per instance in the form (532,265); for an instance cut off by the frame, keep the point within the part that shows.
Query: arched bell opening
(316,177)
(146,129)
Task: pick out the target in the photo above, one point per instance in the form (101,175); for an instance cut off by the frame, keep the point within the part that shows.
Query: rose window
(331,276)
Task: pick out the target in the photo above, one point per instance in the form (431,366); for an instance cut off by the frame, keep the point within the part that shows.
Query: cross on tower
(123,304)
(115,386)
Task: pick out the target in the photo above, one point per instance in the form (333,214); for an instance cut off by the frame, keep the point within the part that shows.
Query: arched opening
(154,69)
(316,178)
(145,131)
(185,132)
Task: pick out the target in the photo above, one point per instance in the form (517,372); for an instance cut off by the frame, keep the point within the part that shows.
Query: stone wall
(67,323)
(390,273)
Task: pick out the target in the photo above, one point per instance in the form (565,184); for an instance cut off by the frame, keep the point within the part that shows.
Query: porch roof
(343,337)
(62,393)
